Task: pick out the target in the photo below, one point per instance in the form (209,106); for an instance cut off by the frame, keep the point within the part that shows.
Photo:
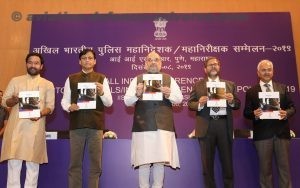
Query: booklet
(152,85)
(216,94)
(270,104)
(86,95)
(29,104)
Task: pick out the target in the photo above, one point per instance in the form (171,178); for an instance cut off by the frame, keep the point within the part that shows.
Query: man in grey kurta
(24,138)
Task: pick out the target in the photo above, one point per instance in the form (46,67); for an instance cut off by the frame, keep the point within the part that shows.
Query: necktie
(268,87)
(215,109)
(271,100)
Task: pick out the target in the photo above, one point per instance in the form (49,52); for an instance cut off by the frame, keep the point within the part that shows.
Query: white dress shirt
(66,100)
(264,88)
(222,110)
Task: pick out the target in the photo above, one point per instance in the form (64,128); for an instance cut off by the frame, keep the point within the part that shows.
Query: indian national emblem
(160,25)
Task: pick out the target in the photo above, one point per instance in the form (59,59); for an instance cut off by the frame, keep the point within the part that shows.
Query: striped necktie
(268,87)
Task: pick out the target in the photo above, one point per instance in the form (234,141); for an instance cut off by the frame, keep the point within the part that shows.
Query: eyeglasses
(153,60)
(87,58)
(213,65)
(33,62)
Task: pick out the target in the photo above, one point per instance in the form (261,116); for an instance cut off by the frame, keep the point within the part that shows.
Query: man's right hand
(203,100)
(73,107)
(139,89)
(257,113)
(12,101)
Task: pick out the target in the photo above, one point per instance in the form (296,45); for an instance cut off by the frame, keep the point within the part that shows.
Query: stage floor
(117,172)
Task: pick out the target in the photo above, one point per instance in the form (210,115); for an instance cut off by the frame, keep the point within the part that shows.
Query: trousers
(14,167)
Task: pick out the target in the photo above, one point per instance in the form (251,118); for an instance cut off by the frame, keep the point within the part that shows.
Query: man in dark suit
(214,128)
(271,136)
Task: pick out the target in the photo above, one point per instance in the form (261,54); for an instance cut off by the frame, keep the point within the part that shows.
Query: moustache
(33,71)
(32,68)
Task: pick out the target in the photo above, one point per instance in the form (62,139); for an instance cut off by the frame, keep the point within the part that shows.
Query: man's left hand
(282,114)
(99,88)
(229,97)
(166,91)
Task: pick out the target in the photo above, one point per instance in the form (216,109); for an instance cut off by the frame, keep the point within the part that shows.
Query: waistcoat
(86,118)
(153,115)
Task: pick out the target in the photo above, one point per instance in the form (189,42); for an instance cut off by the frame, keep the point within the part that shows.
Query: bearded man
(24,138)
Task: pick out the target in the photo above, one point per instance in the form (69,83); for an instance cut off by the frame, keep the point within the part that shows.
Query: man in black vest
(86,123)
(214,126)
(271,136)
(153,136)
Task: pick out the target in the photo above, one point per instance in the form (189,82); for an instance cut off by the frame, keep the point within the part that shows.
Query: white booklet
(86,95)
(152,85)
(270,105)
(216,94)
(29,104)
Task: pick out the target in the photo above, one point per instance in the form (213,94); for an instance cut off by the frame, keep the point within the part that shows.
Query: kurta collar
(33,77)
(86,73)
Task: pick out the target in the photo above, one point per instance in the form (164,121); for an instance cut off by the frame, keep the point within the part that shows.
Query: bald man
(153,132)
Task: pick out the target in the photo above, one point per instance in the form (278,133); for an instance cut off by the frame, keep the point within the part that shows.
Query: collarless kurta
(25,139)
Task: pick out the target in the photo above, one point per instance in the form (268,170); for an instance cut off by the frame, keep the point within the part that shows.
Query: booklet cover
(270,104)
(29,104)
(152,84)
(216,94)
(86,95)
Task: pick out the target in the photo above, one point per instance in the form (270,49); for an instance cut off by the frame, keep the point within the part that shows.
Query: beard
(33,71)
(213,73)
(153,68)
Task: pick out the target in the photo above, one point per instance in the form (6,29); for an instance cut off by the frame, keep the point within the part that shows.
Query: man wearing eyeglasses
(153,134)
(214,126)
(86,122)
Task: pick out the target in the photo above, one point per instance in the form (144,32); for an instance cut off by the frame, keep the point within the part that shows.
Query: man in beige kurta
(24,138)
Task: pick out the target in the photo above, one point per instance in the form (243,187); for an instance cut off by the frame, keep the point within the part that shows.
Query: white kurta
(24,139)
(161,147)
(154,146)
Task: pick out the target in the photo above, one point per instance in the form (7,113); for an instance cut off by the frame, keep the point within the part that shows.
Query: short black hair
(34,54)
(85,51)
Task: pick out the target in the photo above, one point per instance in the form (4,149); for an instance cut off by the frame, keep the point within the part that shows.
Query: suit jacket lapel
(276,87)
(257,88)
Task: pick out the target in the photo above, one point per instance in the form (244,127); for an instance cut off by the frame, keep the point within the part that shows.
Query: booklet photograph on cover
(152,84)
(29,104)
(270,104)
(216,94)
(86,95)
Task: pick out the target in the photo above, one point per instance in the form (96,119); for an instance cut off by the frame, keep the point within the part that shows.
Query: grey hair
(264,61)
